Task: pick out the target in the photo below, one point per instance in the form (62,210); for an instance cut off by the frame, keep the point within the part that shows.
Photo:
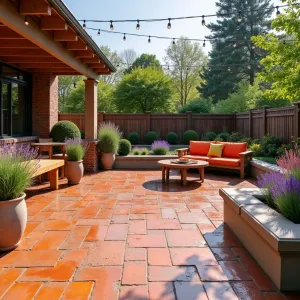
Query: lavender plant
(76,149)
(17,167)
(160,147)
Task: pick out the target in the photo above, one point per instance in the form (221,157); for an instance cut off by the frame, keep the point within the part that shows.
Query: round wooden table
(167,164)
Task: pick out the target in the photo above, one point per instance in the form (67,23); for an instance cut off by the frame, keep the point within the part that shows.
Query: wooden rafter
(24,52)
(91,60)
(97,66)
(53,23)
(65,36)
(84,53)
(6,34)
(16,60)
(42,66)
(79,45)
(34,7)
(23,44)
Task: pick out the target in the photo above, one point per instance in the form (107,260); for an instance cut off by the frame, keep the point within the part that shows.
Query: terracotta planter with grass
(74,171)
(13,219)
(108,160)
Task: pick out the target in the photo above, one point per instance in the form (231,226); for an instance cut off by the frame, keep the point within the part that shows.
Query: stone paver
(125,235)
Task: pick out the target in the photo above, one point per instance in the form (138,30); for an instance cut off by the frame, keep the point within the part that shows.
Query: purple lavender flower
(160,144)
(77,141)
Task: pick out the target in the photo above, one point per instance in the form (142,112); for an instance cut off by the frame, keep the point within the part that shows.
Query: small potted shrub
(124,147)
(134,138)
(172,138)
(190,135)
(74,169)
(160,147)
(109,137)
(150,137)
(17,168)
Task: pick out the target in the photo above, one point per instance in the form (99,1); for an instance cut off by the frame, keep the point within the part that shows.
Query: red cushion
(199,147)
(233,150)
(196,157)
(222,161)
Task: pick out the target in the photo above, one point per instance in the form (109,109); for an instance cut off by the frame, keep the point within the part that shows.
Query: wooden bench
(50,166)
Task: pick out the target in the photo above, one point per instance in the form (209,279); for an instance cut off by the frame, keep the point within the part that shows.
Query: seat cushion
(215,150)
(199,147)
(196,157)
(224,161)
(232,150)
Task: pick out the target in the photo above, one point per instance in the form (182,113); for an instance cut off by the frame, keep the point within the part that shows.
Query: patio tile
(132,254)
(137,227)
(169,213)
(78,290)
(116,232)
(134,292)
(51,290)
(234,270)
(247,290)
(188,218)
(163,224)
(159,257)
(96,233)
(219,290)
(51,240)
(184,238)
(190,290)
(57,225)
(172,273)
(223,254)
(274,296)
(22,290)
(161,291)
(211,273)
(134,273)
(8,278)
(146,241)
(75,238)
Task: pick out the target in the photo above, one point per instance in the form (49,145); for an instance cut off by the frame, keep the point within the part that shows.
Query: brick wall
(44,103)
(90,160)
(19,140)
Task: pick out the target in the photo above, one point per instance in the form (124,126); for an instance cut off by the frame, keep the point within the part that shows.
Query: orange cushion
(233,150)
(222,161)
(196,157)
(199,147)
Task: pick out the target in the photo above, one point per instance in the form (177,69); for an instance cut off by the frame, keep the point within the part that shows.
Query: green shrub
(134,138)
(199,106)
(257,150)
(136,151)
(64,129)
(270,145)
(247,140)
(210,136)
(109,137)
(172,138)
(190,135)
(224,136)
(75,152)
(144,151)
(124,147)
(218,139)
(82,133)
(150,137)
(160,151)
(235,137)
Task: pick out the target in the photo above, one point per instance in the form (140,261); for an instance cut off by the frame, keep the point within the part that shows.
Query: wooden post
(188,120)
(148,120)
(297,120)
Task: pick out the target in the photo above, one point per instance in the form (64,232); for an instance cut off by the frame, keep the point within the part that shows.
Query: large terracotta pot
(13,219)
(108,160)
(74,171)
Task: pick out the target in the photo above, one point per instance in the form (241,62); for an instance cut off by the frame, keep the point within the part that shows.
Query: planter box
(272,240)
(138,162)
(258,167)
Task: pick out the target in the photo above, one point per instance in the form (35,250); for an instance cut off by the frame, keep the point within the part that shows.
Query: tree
(281,65)
(144,61)
(232,46)
(187,60)
(144,90)
(199,106)
(128,56)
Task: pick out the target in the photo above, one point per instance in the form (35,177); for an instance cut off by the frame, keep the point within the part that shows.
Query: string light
(83,25)
(124,37)
(98,32)
(174,42)
(26,21)
(169,24)
(111,27)
(240,17)
(138,25)
(204,44)
(234,44)
(277,11)
(149,40)
(203,21)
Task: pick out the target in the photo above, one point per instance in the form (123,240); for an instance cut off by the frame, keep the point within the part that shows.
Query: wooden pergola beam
(34,7)
(6,34)
(66,73)
(97,65)
(24,52)
(42,66)
(84,53)
(50,70)
(79,45)
(23,44)
(53,23)
(65,36)
(91,60)
(16,60)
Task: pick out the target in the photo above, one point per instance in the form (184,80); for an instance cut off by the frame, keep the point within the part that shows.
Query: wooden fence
(283,122)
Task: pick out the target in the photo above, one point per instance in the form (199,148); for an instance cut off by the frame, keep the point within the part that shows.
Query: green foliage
(109,137)
(144,90)
(124,147)
(235,137)
(144,151)
(224,136)
(64,129)
(75,152)
(190,135)
(150,137)
(210,136)
(199,106)
(134,138)
(136,151)
(270,144)
(270,160)
(160,151)
(172,138)
(281,65)
(247,140)
(219,139)
(257,149)
(144,61)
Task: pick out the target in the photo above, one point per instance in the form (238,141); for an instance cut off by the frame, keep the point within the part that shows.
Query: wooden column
(188,120)
(91,109)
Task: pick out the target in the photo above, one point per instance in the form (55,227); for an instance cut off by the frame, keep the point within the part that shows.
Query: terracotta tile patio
(124,235)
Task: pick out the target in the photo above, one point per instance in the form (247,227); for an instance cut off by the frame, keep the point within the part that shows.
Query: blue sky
(139,9)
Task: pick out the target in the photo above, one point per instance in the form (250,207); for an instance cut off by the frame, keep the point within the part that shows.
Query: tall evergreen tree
(238,21)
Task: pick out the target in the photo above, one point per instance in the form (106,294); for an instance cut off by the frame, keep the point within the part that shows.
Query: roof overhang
(54,40)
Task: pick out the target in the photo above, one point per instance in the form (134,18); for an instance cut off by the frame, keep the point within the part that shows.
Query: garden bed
(272,240)
(259,167)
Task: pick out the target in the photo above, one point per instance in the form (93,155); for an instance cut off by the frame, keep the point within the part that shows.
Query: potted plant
(17,168)
(109,137)
(75,149)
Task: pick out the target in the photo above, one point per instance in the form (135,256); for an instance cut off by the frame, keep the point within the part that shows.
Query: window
(15,102)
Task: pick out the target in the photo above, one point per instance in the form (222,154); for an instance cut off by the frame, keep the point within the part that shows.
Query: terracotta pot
(74,171)
(108,160)
(13,219)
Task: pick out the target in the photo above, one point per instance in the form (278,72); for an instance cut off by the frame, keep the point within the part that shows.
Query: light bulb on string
(98,32)
(234,44)
(138,25)
(26,21)
(204,44)
(174,42)
(149,40)
(169,24)
(83,25)
(111,27)
(124,37)
(277,11)
(203,21)
(239,19)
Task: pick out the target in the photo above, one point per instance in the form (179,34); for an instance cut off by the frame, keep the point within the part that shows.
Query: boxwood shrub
(134,138)
(150,137)
(190,135)
(172,138)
